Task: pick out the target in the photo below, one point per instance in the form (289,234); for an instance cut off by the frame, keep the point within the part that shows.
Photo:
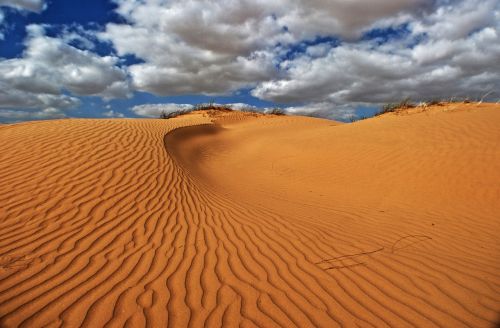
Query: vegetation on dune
(276,111)
(355,118)
(392,107)
(212,106)
(213,109)
(165,115)
(407,104)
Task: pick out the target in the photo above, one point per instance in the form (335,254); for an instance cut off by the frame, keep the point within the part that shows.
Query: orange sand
(253,221)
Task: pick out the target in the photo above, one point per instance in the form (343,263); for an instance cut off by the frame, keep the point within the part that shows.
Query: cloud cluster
(347,19)
(51,73)
(439,49)
(317,56)
(453,52)
(155,110)
(10,116)
(191,47)
(324,110)
(113,114)
(215,47)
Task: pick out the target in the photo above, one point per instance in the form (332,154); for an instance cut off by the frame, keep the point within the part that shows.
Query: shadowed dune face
(187,145)
(252,221)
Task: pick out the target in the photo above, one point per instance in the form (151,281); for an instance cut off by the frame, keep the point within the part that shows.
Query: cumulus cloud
(15,98)
(155,110)
(208,47)
(325,110)
(430,61)
(113,114)
(347,19)
(209,79)
(457,19)
(50,69)
(195,46)
(217,47)
(77,35)
(316,56)
(31,5)
(10,116)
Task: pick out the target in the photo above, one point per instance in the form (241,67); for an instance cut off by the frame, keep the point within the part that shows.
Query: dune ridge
(252,221)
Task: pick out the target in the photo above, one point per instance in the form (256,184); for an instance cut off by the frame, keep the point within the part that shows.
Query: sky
(328,58)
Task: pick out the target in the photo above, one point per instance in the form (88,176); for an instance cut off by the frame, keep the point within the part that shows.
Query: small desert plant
(355,118)
(405,104)
(484,96)
(164,115)
(434,102)
(212,106)
(276,111)
(388,108)
(249,110)
(226,108)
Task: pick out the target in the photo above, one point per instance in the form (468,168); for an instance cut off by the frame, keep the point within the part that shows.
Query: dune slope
(252,221)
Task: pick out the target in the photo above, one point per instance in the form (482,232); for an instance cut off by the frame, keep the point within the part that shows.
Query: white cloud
(112,113)
(434,49)
(31,5)
(24,115)
(10,97)
(215,47)
(457,19)
(243,107)
(347,19)
(186,52)
(77,34)
(155,110)
(325,110)
(50,68)
(204,47)
(210,79)
(420,66)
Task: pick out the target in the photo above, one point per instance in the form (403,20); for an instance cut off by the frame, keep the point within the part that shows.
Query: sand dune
(244,220)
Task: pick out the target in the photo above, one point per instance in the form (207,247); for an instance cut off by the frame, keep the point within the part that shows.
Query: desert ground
(238,219)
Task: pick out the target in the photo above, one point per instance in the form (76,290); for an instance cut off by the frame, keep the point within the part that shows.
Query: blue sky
(332,59)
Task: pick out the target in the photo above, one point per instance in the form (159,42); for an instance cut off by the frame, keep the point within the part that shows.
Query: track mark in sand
(411,239)
(350,257)
(345,266)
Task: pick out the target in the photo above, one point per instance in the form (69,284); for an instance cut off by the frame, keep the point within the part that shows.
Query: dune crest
(235,219)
